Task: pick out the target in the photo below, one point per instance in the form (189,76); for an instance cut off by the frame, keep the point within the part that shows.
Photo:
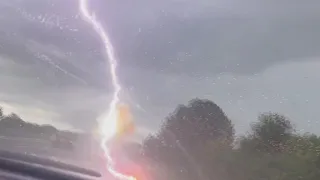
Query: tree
(185,133)
(299,161)
(197,123)
(270,133)
(272,151)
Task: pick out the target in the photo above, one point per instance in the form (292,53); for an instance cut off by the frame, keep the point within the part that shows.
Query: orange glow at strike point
(119,125)
(124,124)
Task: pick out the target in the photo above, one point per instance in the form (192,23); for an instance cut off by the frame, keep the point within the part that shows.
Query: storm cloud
(247,56)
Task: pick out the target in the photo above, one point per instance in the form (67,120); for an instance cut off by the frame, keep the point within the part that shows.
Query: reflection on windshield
(178,90)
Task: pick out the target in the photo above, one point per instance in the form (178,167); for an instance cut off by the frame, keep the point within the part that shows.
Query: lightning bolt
(111,114)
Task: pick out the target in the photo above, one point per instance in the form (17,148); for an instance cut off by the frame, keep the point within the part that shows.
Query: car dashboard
(18,166)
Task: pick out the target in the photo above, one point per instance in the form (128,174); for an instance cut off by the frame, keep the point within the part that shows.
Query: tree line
(197,141)
(14,126)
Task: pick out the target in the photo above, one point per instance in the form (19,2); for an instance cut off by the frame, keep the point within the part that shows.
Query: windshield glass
(171,89)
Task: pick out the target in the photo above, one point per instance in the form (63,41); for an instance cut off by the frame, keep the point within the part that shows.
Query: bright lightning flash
(109,126)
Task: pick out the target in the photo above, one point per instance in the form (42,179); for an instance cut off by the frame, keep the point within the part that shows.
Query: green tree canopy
(272,151)
(269,134)
(180,142)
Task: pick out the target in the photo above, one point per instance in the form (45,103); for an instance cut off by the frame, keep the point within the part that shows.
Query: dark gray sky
(247,56)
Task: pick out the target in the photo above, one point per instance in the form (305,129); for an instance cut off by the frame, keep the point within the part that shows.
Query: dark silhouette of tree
(185,133)
(272,127)
(270,133)
(197,123)
(272,151)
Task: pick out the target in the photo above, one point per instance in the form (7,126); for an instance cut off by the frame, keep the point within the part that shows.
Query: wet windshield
(171,89)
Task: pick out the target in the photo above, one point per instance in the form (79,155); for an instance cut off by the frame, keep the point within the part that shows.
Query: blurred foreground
(82,153)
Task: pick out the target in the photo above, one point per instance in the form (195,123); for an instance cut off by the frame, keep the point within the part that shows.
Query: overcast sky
(247,56)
